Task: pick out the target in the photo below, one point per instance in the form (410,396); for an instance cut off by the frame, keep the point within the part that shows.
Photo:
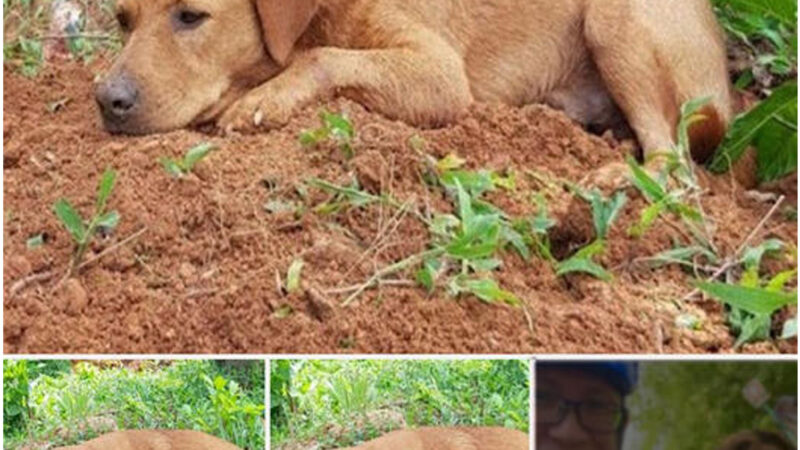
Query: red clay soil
(201,276)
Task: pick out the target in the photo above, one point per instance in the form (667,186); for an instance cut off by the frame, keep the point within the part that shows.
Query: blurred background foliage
(52,403)
(331,404)
(682,405)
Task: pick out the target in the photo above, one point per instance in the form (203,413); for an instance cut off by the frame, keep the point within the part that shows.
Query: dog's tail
(705,135)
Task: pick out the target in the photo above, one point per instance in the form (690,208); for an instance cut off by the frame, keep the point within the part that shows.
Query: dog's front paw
(255,111)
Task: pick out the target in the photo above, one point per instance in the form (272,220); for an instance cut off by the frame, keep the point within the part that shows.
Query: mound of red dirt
(195,263)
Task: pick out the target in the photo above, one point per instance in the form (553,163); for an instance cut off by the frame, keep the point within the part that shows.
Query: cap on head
(621,375)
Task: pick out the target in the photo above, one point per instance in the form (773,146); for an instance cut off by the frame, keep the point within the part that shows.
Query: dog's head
(185,61)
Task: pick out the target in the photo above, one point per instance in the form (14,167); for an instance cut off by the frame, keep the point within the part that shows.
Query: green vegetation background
(340,403)
(50,403)
(694,405)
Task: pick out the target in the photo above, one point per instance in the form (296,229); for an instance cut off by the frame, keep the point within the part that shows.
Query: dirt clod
(75,298)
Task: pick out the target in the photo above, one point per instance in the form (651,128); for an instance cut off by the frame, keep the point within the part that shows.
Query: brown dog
(252,63)
(449,439)
(155,440)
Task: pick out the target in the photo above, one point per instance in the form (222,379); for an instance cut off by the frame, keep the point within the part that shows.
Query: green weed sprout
(81,231)
(335,127)
(604,213)
(182,167)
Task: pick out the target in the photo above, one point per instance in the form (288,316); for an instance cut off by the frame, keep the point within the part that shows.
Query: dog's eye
(188,19)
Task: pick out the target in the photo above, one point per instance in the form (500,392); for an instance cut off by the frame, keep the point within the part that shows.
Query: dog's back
(155,440)
(482,438)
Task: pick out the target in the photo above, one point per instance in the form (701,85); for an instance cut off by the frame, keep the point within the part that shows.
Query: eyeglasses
(593,415)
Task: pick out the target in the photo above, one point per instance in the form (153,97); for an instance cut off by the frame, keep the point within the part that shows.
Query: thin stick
(396,267)
(27,281)
(349,289)
(733,259)
(113,248)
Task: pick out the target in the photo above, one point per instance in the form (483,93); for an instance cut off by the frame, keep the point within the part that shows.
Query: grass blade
(71,220)
(196,153)
(105,188)
(753,300)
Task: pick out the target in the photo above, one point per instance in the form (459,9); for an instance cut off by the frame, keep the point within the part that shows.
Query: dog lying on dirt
(154,440)
(756,440)
(248,64)
(449,439)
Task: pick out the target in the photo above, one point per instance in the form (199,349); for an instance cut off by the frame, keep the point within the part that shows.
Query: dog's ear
(283,22)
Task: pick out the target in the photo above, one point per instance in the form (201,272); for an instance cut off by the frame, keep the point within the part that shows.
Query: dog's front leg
(424,87)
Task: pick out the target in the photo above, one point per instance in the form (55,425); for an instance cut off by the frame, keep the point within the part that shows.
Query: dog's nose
(117,98)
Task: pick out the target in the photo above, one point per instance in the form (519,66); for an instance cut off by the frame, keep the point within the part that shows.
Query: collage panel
(666,405)
(400,404)
(449,203)
(133,404)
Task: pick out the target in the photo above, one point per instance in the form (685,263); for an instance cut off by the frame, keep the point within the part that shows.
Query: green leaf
(313,137)
(196,153)
(171,167)
(475,183)
(109,220)
(426,275)
(605,211)
(746,128)
(645,183)
(489,291)
(449,162)
(283,312)
(464,206)
(783,10)
(583,265)
(516,240)
(338,125)
(647,218)
(35,241)
(104,189)
(485,265)
(71,220)
(777,145)
(779,281)
(754,328)
(293,276)
(682,255)
(753,300)
(752,255)
(595,248)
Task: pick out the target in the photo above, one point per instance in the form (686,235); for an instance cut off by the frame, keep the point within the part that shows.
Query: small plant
(82,231)
(604,214)
(754,300)
(465,245)
(335,127)
(182,167)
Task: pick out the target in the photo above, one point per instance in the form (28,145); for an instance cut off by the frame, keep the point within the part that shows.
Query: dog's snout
(117,97)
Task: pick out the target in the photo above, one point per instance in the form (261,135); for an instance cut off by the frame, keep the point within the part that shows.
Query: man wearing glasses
(581,405)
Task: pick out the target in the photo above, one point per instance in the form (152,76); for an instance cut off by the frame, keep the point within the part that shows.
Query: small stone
(76,297)
(186,270)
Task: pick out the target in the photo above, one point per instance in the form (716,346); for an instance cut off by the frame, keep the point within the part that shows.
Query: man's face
(593,425)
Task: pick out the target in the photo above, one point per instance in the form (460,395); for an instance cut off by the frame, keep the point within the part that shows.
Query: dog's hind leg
(653,56)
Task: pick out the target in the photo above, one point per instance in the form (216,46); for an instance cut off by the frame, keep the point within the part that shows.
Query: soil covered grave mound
(199,263)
